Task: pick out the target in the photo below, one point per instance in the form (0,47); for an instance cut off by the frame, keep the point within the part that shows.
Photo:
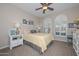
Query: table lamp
(17,27)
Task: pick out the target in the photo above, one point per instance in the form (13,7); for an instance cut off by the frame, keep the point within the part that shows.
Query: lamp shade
(17,25)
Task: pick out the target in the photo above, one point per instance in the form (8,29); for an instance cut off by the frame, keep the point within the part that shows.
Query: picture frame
(29,22)
(24,21)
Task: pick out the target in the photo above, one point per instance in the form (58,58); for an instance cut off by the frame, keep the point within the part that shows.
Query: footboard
(37,48)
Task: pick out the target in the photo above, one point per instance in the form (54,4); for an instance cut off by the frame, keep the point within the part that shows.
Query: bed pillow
(13,32)
(33,31)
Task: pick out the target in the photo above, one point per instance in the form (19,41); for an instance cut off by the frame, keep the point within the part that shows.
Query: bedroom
(56,25)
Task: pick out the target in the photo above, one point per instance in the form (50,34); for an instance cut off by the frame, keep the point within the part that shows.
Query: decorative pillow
(33,31)
(13,32)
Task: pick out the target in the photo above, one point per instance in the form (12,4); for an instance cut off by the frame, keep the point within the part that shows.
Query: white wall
(9,16)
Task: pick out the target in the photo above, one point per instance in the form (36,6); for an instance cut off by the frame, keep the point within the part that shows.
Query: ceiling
(30,8)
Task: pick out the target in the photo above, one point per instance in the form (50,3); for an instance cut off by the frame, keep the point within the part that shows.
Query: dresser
(76,41)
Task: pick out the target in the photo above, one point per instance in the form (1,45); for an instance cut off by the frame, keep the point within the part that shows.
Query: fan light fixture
(45,8)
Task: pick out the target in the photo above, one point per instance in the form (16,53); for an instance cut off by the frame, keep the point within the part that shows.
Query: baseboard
(60,39)
(4,47)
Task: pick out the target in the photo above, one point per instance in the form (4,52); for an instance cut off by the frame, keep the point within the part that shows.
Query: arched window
(61,23)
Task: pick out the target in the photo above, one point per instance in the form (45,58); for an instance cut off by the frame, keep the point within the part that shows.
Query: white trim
(62,40)
(4,47)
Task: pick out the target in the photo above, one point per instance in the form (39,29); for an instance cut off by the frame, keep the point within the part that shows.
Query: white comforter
(39,39)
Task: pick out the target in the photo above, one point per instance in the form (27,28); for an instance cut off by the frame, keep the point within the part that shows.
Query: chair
(15,38)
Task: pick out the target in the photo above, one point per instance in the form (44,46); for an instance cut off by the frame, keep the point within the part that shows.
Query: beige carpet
(57,48)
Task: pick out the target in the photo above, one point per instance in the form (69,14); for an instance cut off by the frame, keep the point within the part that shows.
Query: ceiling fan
(45,7)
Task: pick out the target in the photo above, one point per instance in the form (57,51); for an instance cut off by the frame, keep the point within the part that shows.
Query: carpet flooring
(57,48)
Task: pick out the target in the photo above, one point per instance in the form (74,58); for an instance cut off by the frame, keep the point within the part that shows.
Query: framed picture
(24,21)
(29,22)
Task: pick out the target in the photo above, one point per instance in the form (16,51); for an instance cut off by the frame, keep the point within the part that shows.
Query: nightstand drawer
(14,41)
(13,44)
(20,42)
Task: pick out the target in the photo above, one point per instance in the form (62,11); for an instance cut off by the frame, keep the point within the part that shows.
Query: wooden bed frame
(36,47)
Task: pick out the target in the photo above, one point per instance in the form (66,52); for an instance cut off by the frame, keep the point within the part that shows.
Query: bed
(42,40)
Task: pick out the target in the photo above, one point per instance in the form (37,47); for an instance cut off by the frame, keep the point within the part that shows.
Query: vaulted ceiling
(30,8)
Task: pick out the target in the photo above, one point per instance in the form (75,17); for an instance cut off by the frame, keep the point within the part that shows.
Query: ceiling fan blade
(50,8)
(39,8)
(42,3)
(49,4)
(44,11)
